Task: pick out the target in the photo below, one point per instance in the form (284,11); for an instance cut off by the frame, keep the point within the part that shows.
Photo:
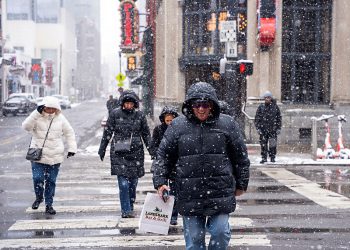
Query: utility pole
(60,73)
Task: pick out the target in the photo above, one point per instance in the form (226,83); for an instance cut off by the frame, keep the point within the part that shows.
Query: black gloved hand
(102,156)
(40,108)
(70,154)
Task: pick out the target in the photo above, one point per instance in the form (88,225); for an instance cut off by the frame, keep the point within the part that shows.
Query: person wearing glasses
(211,163)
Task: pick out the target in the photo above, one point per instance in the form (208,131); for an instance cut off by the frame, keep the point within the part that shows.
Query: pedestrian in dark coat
(128,125)
(111,104)
(211,164)
(166,117)
(225,108)
(268,122)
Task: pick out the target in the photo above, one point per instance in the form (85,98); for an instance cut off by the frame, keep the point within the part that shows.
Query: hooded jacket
(210,158)
(159,130)
(268,118)
(121,124)
(38,124)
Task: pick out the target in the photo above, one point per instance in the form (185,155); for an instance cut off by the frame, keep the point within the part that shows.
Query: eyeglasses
(203,104)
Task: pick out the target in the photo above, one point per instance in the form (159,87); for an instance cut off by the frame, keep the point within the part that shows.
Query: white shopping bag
(156,214)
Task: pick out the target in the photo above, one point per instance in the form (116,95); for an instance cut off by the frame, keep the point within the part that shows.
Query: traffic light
(131,63)
(245,67)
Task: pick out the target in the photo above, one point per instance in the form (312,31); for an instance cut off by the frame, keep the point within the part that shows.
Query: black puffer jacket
(121,124)
(210,158)
(159,130)
(268,118)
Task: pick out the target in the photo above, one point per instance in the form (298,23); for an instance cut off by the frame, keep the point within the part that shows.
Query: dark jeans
(45,174)
(268,143)
(173,192)
(195,228)
(127,193)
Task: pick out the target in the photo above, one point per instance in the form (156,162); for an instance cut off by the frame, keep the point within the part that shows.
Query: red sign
(36,71)
(48,72)
(130,24)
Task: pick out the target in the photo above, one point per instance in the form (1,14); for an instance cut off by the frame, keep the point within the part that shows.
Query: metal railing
(250,120)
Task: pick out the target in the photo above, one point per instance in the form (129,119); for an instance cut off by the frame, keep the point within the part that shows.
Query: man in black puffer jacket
(207,151)
(268,122)
(129,125)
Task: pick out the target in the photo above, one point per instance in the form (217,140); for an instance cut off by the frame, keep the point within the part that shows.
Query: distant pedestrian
(166,117)
(111,104)
(48,119)
(225,108)
(127,130)
(268,122)
(207,152)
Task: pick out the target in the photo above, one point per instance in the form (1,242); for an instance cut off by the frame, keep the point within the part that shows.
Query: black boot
(263,160)
(49,210)
(128,215)
(36,203)
(273,159)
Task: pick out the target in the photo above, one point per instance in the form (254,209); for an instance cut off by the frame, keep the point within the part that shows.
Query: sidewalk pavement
(284,159)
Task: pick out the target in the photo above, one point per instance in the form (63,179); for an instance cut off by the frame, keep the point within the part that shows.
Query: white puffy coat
(37,124)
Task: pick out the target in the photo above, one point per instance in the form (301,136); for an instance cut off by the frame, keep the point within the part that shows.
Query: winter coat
(38,123)
(112,104)
(159,130)
(210,158)
(268,118)
(121,124)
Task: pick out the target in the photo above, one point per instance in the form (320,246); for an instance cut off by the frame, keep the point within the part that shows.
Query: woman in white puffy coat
(45,170)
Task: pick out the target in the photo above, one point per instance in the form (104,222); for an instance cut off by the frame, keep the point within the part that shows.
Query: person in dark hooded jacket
(166,117)
(268,122)
(127,130)
(211,165)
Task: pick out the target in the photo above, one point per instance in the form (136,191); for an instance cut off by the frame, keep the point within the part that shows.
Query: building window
(201,26)
(47,11)
(18,9)
(306,51)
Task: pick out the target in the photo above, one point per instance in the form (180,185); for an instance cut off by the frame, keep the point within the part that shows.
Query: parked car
(64,101)
(29,96)
(17,104)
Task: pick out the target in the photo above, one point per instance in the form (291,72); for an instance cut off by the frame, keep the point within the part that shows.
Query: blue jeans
(195,228)
(45,174)
(127,193)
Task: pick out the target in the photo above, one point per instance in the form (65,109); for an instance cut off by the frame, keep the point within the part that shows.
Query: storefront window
(202,25)
(306,51)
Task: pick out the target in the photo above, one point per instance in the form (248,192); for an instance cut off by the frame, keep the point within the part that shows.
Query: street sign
(120,77)
(228,31)
(231,49)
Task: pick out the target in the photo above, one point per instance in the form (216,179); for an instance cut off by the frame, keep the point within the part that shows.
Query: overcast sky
(110,31)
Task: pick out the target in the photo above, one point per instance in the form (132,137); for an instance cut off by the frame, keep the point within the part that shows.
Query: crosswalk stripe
(234,222)
(81,209)
(309,189)
(125,241)
(101,223)
(97,222)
